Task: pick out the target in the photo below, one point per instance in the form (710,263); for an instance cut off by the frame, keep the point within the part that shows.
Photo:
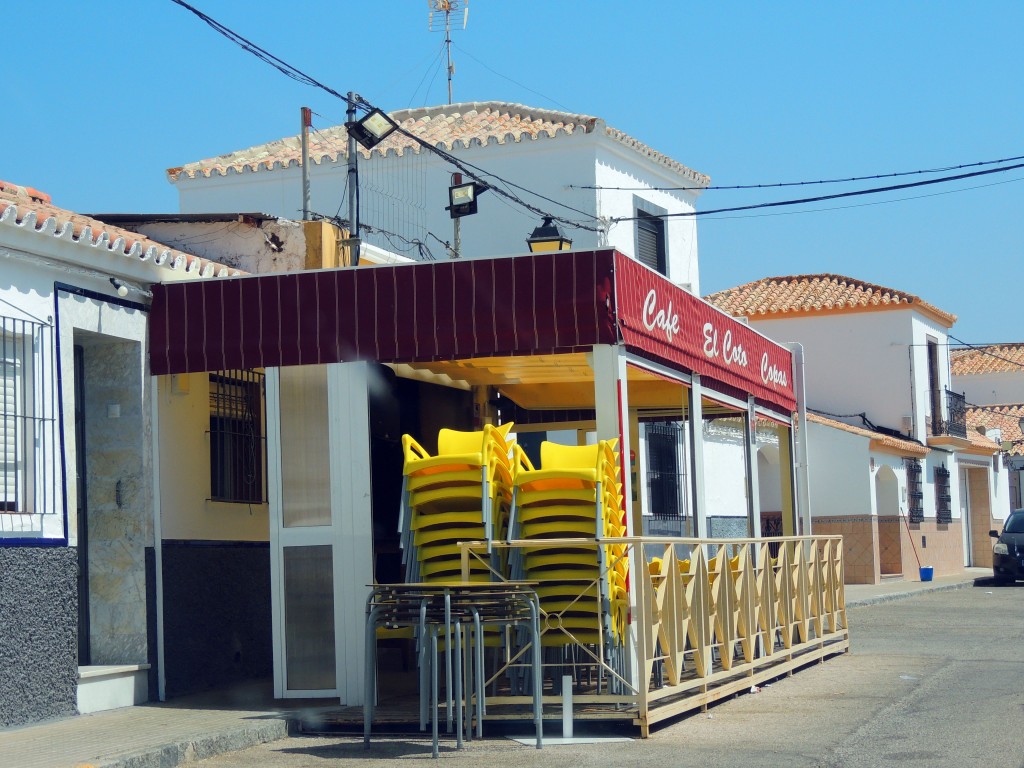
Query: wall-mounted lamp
(548,237)
(122,289)
(372,129)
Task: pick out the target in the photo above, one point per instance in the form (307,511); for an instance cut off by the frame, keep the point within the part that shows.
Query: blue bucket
(927,572)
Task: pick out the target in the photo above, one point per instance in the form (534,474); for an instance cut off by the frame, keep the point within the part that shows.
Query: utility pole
(353,187)
(456,223)
(307,121)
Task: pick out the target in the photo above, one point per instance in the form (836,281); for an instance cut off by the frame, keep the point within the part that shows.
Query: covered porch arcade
(590,340)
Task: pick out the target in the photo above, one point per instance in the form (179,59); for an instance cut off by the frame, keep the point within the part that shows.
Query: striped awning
(544,304)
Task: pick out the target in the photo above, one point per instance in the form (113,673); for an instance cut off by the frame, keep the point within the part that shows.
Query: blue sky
(100,98)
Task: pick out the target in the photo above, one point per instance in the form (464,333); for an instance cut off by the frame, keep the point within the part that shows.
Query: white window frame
(28,438)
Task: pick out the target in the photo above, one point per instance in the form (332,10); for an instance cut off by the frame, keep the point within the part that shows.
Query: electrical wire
(985,351)
(261,53)
(478,174)
(897,174)
(865,205)
(422,248)
(855,193)
(514,82)
(301,77)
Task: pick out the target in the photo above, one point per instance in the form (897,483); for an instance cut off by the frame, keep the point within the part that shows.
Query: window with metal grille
(650,240)
(915,491)
(28,479)
(664,482)
(943,500)
(237,443)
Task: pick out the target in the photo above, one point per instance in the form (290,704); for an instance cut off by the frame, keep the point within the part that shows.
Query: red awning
(550,303)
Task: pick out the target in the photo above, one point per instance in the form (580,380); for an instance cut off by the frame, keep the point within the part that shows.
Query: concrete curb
(183,752)
(892,596)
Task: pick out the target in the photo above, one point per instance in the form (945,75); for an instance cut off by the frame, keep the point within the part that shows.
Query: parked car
(1008,551)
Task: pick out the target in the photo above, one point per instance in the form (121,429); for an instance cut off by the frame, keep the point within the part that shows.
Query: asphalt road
(933,680)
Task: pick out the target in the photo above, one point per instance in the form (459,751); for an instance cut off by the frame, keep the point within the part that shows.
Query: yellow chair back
(455,442)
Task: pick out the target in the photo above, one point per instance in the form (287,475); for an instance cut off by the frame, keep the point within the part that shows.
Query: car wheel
(1001,579)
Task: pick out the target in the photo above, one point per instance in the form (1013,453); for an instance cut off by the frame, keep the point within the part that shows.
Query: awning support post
(753,482)
(695,416)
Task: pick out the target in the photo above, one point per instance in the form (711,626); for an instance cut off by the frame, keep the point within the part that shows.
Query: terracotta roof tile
(995,358)
(879,440)
(26,207)
(1005,418)
(446,127)
(799,294)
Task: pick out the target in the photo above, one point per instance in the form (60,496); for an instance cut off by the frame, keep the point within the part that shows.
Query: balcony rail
(955,423)
(706,619)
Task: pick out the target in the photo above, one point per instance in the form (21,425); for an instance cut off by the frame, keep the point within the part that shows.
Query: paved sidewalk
(184,730)
(897,589)
(147,736)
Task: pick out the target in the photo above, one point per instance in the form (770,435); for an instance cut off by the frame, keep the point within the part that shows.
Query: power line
(985,351)
(422,248)
(896,174)
(300,76)
(866,205)
(260,53)
(819,198)
(514,82)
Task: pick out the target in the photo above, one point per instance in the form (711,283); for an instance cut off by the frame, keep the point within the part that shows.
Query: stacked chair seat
(576,493)
(463,493)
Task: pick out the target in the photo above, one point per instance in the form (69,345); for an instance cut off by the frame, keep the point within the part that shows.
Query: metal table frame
(458,611)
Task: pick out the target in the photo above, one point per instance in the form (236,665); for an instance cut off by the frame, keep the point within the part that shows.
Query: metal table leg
(457,639)
(433,687)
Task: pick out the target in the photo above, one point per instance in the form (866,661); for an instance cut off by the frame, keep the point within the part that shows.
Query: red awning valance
(662,320)
(414,313)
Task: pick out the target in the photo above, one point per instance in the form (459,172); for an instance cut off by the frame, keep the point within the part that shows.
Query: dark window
(650,241)
(943,505)
(663,478)
(915,492)
(934,391)
(236,437)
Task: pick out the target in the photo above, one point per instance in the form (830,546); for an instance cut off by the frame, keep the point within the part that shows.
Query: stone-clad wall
(38,633)
(119,501)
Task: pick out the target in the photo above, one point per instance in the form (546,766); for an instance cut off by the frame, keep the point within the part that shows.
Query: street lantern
(548,237)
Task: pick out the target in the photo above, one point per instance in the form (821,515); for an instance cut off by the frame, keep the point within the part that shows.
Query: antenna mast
(444,23)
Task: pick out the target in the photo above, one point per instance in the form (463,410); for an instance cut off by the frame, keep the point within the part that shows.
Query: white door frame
(349,534)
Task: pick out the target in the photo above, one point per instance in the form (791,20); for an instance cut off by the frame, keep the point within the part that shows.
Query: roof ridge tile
(435,125)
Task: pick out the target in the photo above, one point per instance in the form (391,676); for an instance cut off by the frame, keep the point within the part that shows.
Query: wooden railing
(706,619)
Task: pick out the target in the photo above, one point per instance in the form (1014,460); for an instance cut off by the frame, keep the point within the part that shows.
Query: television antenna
(440,20)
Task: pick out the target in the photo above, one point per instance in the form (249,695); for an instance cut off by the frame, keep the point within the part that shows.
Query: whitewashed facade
(77,497)
(887,431)
(406,193)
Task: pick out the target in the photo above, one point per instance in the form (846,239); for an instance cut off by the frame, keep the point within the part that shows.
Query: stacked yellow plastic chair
(575,494)
(461,494)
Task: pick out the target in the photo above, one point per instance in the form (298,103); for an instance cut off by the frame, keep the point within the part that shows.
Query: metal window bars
(237,437)
(28,460)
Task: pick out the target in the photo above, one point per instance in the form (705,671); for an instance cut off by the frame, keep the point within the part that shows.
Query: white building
(892,464)
(132,511)
(573,166)
(992,379)
(76,469)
